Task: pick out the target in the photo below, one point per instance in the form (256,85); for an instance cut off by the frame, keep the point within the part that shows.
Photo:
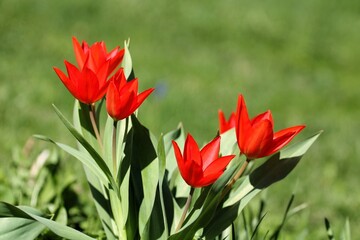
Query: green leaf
(19,216)
(82,157)
(94,154)
(97,180)
(144,158)
(127,62)
(19,228)
(346,232)
(281,164)
(228,142)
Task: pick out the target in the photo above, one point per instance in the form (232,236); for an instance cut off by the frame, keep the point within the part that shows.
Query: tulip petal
(79,53)
(263,116)
(283,137)
(116,57)
(243,125)
(222,121)
(178,155)
(88,87)
(191,151)
(218,165)
(210,152)
(112,97)
(259,138)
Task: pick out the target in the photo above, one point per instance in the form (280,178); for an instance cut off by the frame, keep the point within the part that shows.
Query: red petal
(112,97)
(210,152)
(283,137)
(115,60)
(191,151)
(142,96)
(79,53)
(65,80)
(258,139)
(209,179)
(179,157)
(218,165)
(263,116)
(242,122)
(194,175)
(102,74)
(222,121)
(88,87)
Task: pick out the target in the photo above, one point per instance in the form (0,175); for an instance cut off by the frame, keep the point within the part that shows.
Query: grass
(298,58)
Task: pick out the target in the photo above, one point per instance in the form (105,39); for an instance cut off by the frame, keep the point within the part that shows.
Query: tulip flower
(84,84)
(225,125)
(255,136)
(122,97)
(95,56)
(203,167)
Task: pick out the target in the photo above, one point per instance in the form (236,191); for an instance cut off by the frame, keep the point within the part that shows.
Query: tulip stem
(94,124)
(236,177)
(114,149)
(186,209)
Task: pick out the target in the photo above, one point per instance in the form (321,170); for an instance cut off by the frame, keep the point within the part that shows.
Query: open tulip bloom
(255,137)
(122,97)
(95,56)
(84,84)
(203,167)
(139,181)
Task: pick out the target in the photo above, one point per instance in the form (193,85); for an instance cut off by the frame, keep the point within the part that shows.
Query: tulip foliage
(159,187)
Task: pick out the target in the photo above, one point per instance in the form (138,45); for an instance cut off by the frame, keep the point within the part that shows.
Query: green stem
(114,149)
(186,208)
(94,124)
(236,177)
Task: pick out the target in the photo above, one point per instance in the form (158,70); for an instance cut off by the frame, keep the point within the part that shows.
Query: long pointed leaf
(13,213)
(98,159)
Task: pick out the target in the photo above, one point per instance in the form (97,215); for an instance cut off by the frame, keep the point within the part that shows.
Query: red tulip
(96,56)
(255,137)
(122,97)
(84,84)
(200,168)
(226,125)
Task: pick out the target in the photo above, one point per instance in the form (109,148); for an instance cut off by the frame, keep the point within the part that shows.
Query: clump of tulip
(168,186)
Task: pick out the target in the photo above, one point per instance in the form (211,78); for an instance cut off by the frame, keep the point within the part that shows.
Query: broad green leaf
(94,154)
(13,214)
(274,169)
(120,219)
(145,157)
(127,62)
(82,157)
(19,228)
(281,164)
(82,123)
(162,181)
(97,185)
(300,148)
(228,142)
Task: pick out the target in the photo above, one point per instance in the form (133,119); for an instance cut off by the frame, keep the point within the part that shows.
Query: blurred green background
(301,59)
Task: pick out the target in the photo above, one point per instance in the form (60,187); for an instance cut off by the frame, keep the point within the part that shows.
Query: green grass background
(301,59)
